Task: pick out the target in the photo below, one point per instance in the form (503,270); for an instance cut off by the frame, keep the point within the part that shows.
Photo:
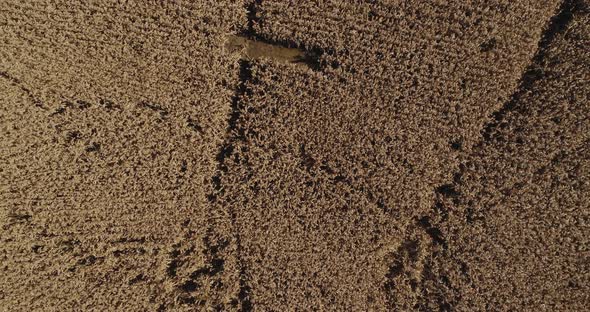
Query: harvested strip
(256,50)
(111,116)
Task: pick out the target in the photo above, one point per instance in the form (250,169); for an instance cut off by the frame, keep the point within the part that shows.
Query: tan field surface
(284,155)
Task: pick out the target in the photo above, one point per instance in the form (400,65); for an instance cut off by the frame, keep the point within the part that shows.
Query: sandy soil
(295,155)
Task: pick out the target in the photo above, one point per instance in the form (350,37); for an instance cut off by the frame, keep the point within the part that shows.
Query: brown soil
(270,156)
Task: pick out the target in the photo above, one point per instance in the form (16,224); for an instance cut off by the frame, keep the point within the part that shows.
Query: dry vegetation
(291,155)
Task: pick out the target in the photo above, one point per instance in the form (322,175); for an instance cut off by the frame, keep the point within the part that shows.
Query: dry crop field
(274,155)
